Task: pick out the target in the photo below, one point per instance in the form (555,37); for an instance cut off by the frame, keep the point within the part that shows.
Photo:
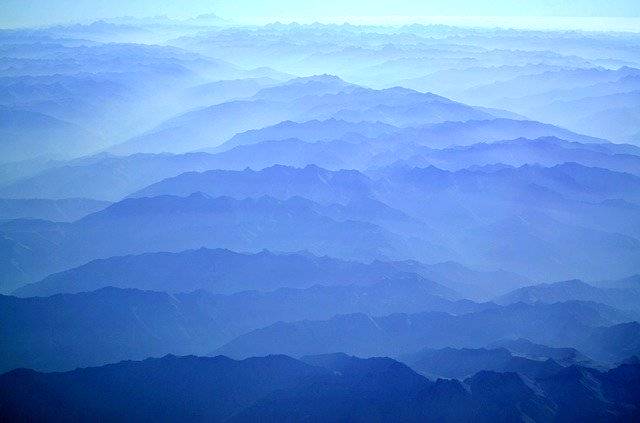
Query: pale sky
(45,12)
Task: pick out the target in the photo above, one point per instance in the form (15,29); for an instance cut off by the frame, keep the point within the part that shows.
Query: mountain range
(111,324)
(224,271)
(370,222)
(625,299)
(579,210)
(317,388)
(580,325)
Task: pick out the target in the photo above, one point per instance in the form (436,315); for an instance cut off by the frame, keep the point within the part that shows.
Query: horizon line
(541,23)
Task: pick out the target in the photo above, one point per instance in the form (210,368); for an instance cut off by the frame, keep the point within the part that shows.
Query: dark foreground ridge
(332,387)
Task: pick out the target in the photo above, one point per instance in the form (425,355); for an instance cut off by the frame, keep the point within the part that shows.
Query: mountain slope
(311,131)
(313,100)
(625,299)
(224,271)
(65,210)
(571,324)
(548,151)
(525,348)
(319,388)
(169,223)
(281,182)
(485,130)
(92,328)
(461,363)
(29,135)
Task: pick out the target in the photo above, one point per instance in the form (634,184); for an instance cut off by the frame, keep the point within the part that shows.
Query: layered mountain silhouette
(317,388)
(320,97)
(571,324)
(135,323)
(310,131)
(56,210)
(591,103)
(113,177)
(315,142)
(224,271)
(454,363)
(458,206)
(528,215)
(132,227)
(28,134)
(547,151)
(282,182)
(626,299)
(525,348)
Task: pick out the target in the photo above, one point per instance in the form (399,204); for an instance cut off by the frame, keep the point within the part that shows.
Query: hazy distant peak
(324,78)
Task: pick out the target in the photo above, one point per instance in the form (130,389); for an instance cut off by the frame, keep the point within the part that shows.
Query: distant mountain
(462,144)
(528,238)
(211,125)
(196,187)
(248,224)
(208,19)
(114,90)
(311,131)
(614,342)
(513,209)
(220,91)
(612,116)
(57,210)
(335,155)
(297,88)
(116,58)
(13,257)
(26,248)
(170,223)
(29,135)
(456,80)
(449,134)
(206,127)
(631,283)
(590,104)
(86,99)
(574,290)
(318,388)
(571,324)
(500,113)
(569,187)
(625,84)
(116,177)
(470,283)
(316,98)
(400,107)
(535,84)
(454,363)
(54,333)
(617,123)
(281,182)
(571,181)
(223,271)
(112,177)
(548,151)
(13,171)
(568,212)
(525,348)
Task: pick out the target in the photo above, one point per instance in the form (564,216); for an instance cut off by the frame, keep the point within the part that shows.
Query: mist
(355,216)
